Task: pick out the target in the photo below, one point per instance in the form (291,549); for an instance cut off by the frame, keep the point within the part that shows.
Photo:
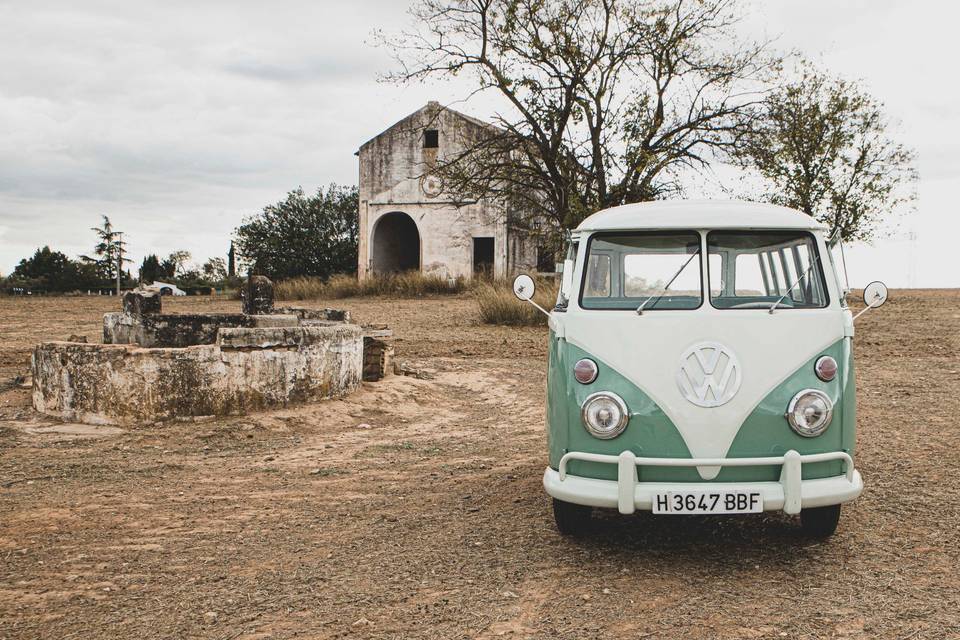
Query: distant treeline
(302,235)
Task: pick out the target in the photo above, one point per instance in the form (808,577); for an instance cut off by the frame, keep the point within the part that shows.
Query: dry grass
(402,285)
(498,305)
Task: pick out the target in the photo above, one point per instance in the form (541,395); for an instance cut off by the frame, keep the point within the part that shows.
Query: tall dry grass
(498,305)
(411,284)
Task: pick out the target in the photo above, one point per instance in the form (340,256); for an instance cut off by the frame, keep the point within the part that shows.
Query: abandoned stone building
(407,222)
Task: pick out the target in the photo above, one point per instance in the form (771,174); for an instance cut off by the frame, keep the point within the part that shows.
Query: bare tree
(606,100)
(821,144)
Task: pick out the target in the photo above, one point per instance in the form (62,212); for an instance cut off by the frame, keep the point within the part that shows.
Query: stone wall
(169,330)
(331,315)
(142,323)
(246,369)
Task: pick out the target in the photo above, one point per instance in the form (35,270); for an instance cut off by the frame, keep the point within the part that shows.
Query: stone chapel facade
(406,220)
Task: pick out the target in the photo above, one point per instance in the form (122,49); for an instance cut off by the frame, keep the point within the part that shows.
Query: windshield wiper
(795,283)
(667,286)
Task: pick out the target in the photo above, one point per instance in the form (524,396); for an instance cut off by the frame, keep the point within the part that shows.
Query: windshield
(760,269)
(655,270)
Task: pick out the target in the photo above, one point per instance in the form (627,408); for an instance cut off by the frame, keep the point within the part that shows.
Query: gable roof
(433,105)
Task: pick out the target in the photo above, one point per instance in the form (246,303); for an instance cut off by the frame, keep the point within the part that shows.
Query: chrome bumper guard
(791,491)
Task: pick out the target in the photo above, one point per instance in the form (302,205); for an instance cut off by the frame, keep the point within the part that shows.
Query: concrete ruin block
(275,320)
(242,338)
(334,315)
(258,296)
(137,303)
(169,330)
(378,359)
(248,369)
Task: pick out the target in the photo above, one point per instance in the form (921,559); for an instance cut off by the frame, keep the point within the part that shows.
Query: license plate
(693,502)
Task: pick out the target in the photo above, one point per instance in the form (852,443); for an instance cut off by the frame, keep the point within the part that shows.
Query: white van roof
(699,214)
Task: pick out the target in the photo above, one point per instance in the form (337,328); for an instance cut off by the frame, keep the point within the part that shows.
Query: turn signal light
(826,368)
(585,371)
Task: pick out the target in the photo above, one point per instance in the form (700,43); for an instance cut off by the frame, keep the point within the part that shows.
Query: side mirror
(875,294)
(523,287)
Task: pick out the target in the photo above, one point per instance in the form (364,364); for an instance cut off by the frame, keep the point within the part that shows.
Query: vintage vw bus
(701,363)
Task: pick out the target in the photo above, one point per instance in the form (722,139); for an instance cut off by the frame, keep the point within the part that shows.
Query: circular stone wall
(247,369)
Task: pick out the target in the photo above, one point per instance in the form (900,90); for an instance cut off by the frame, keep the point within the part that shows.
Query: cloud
(180,118)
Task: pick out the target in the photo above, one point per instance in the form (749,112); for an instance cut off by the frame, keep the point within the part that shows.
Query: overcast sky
(179,119)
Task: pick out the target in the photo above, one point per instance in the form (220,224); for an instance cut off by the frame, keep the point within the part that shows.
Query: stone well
(154,366)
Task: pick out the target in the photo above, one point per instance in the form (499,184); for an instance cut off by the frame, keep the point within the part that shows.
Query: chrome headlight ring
(810,413)
(604,415)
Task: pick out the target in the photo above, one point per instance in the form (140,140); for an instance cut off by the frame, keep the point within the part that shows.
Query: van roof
(699,214)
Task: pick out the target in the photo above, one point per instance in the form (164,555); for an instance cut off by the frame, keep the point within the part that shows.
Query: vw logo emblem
(709,374)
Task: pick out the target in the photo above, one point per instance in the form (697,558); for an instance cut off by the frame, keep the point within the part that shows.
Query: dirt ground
(414,509)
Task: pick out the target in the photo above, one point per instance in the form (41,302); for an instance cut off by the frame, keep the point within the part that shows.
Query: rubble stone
(138,303)
(258,296)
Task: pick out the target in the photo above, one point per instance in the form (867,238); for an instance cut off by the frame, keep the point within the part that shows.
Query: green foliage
(175,264)
(303,235)
(232,261)
(108,252)
(150,269)
(215,269)
(52,271)
(176,269)
(821,144)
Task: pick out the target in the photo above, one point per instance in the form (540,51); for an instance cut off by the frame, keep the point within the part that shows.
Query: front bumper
(790,494)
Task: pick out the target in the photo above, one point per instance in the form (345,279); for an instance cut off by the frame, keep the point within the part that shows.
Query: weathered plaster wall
(391,166)
(247,369)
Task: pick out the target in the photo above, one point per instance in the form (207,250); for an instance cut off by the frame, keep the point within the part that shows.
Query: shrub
(498,305)
(411,284)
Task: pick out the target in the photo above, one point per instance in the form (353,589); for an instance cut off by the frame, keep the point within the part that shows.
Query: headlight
(585,371)
(604,415)
(809,412)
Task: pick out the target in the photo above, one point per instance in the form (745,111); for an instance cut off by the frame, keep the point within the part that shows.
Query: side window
(566,278)
(598,276)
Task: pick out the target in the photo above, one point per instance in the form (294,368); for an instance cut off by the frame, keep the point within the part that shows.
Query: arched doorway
(395,243)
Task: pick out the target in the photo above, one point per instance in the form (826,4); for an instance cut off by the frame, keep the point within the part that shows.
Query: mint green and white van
(700,362)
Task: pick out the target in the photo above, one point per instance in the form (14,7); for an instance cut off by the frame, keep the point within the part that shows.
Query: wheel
(820,522)
(572,519)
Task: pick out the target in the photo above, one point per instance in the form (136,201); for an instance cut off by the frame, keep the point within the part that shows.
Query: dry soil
(413,509)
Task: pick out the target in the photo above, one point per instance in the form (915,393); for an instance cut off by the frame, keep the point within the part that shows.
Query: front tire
(820,522)
(572,519)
